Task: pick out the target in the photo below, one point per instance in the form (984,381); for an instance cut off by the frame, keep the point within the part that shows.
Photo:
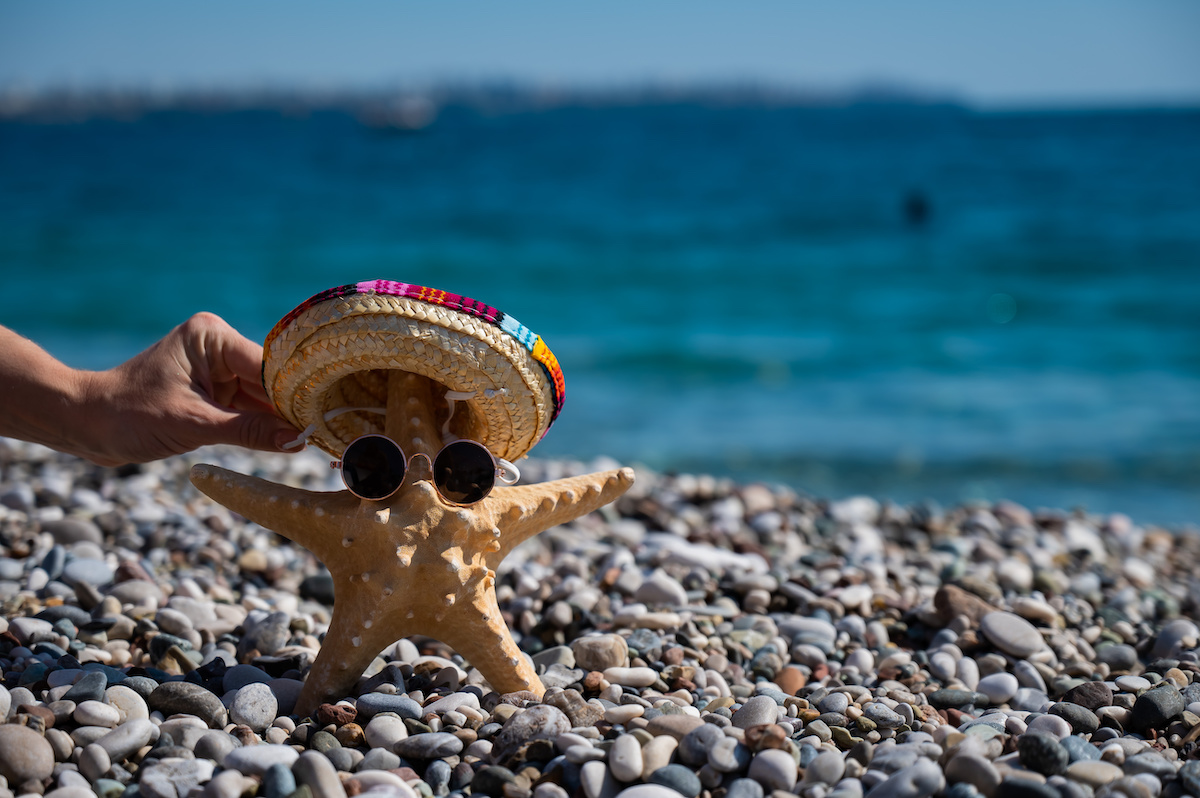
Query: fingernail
(283,438)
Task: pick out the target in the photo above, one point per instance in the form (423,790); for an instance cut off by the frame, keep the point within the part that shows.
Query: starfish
(412,564)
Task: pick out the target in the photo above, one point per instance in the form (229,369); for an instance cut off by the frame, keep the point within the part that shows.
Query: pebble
(625,758)
(775,769)
(428,746)
(600,652)
(316,772)
(24,755)
(919,780)
(678,778)
(254,706)
(185,698)
(998,687)
(1093,772)
(174,777)
(631,677)
(254,760)
(756,711)
(1011,633)
(650,791)
(384,731)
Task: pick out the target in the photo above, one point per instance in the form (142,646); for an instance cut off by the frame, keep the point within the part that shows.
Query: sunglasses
(464,471)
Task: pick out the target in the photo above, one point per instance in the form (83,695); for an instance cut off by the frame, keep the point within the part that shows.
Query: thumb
(265,432)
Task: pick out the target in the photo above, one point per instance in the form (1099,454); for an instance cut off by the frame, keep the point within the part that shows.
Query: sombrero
(326,364)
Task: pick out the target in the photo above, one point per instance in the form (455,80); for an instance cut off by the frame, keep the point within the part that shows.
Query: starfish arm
(301,516)
(477,631)
(347,651)
(529,509)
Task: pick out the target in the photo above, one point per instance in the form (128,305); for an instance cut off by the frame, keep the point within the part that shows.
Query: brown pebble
(45,714)
(131,569)
(520,698)
(790,679)
(244,735)
(673,656)
(35,722)
(350,735)
(337,714)
(769,735)
(675,725)
(593,682)
(950,601)
(352,787)
(405,774)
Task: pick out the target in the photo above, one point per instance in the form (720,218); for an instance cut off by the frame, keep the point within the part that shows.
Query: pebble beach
(697,638)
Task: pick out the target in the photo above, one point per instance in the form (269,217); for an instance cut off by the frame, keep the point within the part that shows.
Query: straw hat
(335,350)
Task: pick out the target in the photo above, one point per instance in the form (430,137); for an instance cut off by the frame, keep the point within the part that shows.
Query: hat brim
(334,351)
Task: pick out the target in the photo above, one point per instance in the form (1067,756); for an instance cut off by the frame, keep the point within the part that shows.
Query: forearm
(41,399)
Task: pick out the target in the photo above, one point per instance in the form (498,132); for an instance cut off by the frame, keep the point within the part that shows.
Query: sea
(917,302)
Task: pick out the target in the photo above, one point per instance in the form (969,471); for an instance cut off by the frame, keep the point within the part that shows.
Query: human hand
(199,385)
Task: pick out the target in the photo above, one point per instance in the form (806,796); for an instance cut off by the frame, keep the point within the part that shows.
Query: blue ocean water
(909,301)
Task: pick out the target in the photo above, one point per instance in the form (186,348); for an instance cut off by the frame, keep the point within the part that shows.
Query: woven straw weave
(336,353)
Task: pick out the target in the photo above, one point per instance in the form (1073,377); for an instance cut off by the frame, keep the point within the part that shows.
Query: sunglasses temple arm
(303,437)
(506,472)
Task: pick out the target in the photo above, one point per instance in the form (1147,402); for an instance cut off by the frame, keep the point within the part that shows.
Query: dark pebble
(142,685)
(833,719)
(371,704)
(1091,695)
(162,642)
(1024,788)
(679,778)
(50,650)
(1042,753)
(342,758)
(389,675)
(1079,748)
(69,612)
(174,698)
(54,561)
(1150,762)
(744,788)
(1189,777)
(693,748)
(490,780)
(1156,707)
(34,674)
(461,775)
(73,530)
(1082,719)
(379,759)
(323,741)
(961,790)
(948,698)
(437,776)
(1118,656)
(317,588)
(277,782)
(428,746)
(90,687)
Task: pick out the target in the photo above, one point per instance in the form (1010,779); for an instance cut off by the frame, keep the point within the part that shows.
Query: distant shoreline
(85,102)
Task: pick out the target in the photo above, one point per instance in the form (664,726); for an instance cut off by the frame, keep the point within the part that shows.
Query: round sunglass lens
(373,467)
(464,472)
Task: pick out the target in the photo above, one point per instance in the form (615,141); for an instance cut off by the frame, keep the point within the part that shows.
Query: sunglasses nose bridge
(428,473)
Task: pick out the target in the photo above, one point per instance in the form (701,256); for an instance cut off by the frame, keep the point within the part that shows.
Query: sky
(1017,52)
